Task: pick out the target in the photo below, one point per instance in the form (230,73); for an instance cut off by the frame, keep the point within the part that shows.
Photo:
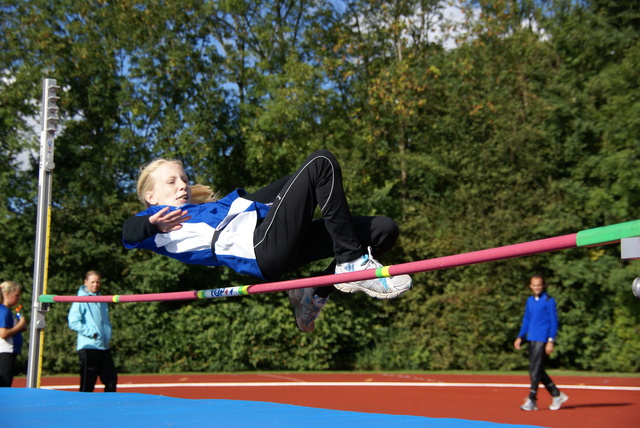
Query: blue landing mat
(25,407)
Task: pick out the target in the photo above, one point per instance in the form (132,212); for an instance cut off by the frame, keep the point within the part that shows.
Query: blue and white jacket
(218,234)
(540,321)
(91,322)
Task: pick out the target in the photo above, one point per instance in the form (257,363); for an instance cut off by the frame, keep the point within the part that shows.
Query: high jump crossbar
(586,238)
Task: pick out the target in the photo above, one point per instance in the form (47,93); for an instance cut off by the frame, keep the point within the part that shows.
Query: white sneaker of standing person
(529,405)
(380,288)
(306,307)
(556,402)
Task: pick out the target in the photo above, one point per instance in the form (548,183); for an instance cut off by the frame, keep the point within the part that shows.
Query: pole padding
(608,234)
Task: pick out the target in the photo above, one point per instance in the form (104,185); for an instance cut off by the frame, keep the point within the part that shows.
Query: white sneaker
(556,402)
(529,405)
(380,288)
(306,307)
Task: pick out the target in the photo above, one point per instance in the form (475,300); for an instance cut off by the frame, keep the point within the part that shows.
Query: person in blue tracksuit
(539,328)
(91,322)
(266,234)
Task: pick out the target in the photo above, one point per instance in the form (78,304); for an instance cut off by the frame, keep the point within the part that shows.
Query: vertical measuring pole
(37,323)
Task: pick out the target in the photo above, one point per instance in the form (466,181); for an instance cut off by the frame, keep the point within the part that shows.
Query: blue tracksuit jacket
(540,321)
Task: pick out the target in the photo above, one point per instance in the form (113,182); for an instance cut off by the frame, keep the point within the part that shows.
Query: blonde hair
(199,193)
(92,272)
(8,287)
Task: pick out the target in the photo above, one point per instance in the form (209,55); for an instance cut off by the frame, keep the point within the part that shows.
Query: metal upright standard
(38,309)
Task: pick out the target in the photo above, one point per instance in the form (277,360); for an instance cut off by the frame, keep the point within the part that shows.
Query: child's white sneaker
(529,405)
(380,288)
(306,307)
(556,402)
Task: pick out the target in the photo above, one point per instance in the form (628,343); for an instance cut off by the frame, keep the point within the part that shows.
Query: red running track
(594,402)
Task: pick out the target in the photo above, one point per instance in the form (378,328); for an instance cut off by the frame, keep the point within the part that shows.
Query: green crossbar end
(606,234)
(46,298)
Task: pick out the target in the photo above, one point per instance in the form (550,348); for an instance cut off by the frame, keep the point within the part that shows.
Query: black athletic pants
(94,363)
(7,368)
(289,237)
(537,357)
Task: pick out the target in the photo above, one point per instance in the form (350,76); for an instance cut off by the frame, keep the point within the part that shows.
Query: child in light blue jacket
(91,322)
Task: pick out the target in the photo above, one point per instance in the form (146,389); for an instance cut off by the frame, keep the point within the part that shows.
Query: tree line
(505,122)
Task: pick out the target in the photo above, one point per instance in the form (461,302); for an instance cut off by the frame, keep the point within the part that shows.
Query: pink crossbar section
(499,253)
(493,254)
(475,257)
(152,297)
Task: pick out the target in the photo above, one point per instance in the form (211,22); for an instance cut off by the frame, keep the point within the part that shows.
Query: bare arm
(5,333)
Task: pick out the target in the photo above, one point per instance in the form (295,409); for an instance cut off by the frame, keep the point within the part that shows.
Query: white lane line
(336,384)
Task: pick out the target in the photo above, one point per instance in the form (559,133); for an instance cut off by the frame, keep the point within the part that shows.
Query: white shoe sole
(351,287)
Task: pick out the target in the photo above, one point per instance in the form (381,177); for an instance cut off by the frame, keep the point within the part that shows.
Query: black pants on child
(537,357)
(7,368)
(290,237)
(94,363)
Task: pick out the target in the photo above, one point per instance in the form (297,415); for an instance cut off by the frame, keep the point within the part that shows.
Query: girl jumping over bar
(268,233)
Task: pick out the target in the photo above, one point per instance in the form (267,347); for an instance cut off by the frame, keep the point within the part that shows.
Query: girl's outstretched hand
(168,221)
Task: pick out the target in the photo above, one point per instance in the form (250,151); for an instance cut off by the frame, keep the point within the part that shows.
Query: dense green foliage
(517,121)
